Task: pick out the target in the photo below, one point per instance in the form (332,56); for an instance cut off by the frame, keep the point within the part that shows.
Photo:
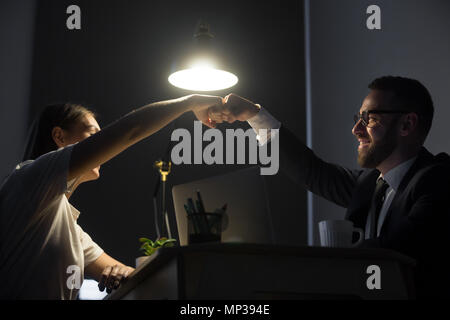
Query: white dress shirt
(393,178)
(263,120)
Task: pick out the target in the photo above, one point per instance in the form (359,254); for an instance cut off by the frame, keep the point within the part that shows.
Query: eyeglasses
(365,120)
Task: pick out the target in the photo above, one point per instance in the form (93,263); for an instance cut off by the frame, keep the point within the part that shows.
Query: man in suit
(401,195)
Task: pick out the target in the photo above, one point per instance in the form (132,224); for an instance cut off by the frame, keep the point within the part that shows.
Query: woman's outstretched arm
(133,127)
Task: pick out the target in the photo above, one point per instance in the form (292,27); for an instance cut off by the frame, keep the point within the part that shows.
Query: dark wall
(120,60)
(346,56)
(16,52)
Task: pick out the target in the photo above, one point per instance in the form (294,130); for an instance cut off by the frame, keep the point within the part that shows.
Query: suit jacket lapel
(362,199)
(424,158)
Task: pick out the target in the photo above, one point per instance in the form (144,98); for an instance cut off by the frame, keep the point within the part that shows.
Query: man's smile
(363,143)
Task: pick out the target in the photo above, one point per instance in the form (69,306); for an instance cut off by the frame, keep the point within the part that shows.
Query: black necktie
(375,208)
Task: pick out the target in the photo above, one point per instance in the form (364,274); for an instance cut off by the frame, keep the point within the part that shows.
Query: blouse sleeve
(36,184)
(92,250)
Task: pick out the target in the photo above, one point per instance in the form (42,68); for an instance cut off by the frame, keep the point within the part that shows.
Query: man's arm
(108,272)
(333,182)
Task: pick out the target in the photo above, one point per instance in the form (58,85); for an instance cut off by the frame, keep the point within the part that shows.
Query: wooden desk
(250,271)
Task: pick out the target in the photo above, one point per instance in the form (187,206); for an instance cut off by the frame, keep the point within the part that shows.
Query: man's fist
(234,108)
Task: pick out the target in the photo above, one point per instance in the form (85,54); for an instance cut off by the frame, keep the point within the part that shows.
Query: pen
(200,202)
(192,217)
(199,216)
(191,205)
(201,210)
(203,218)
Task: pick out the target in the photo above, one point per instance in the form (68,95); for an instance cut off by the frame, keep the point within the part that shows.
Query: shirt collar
(395,176)
(74,211)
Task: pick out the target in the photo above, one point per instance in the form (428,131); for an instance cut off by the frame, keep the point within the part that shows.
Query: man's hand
(234,108)
(200,104)
(113,276)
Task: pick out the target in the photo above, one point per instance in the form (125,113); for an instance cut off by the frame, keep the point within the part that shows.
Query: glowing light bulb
(203,77)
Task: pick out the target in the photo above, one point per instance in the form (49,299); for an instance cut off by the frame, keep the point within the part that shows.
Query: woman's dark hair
(40,139)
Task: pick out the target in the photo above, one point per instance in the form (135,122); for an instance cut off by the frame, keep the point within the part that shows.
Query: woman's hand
(200,104)
(113,276)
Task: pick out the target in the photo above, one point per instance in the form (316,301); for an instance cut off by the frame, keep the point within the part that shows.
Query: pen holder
(204,227)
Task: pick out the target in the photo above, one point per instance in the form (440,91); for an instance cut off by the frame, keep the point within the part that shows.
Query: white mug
(338,234)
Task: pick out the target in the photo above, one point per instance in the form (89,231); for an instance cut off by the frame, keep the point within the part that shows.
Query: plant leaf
(149,247)
(145,245)
(150,251)
(169,243)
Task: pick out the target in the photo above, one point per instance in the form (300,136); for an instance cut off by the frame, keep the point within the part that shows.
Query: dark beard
(379,151)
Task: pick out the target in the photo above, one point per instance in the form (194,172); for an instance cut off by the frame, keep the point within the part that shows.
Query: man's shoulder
(439,162)
(434,173)
(442,158)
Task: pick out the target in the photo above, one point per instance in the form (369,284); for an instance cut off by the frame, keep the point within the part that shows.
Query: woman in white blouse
(44,253)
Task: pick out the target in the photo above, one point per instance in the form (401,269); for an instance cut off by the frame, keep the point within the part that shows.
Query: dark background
(120,60)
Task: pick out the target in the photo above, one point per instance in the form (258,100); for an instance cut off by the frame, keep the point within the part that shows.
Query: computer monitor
(244,192)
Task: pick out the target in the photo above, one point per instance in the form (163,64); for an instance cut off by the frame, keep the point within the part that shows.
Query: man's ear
(409,124)
(58,136)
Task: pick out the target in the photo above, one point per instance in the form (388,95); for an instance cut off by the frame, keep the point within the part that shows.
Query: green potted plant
(148,247)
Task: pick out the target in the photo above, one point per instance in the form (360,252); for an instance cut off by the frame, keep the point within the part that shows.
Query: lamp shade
(201,68)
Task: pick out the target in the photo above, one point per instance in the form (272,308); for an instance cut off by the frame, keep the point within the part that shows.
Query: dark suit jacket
(418,220)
